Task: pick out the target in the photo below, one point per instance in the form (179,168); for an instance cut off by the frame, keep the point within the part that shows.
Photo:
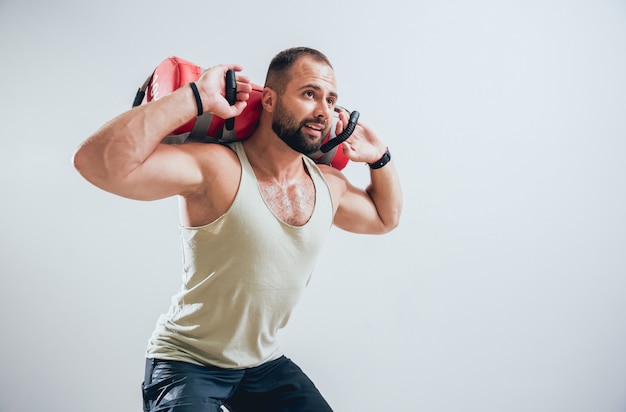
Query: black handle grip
(343,136)
(231,95)
(138,98)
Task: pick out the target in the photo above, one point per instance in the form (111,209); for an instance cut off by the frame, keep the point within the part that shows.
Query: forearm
(386,194)
(124,143)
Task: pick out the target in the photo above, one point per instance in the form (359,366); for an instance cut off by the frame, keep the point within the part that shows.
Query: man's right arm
(125,156)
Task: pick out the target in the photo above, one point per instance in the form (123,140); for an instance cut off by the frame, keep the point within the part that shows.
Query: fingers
(343,114)
(219,72)
(243,85)
(238,107)
(243,82)
(226,67)
(343,120)
(339,127)
(212,86)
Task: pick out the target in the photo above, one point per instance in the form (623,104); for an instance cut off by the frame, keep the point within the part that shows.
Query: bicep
(355,209)
(168,171)
(357,213)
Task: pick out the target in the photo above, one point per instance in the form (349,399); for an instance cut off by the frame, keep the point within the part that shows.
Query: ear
(268,99)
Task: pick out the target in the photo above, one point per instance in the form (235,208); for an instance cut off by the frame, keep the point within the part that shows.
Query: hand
(212,89)
(363,145)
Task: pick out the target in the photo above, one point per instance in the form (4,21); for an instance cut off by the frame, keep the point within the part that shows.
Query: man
(254,215)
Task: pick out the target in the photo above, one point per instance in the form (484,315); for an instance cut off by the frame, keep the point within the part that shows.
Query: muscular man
(254,215)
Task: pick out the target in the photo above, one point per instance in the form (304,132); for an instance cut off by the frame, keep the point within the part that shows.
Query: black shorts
(276,386)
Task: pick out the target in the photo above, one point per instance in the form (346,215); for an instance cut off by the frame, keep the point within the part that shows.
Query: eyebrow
(317,87)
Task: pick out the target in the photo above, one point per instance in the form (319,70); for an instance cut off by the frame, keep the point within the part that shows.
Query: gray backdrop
(503,288)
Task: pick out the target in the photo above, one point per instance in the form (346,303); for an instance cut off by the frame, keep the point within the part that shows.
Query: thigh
(278,386)
(173,386)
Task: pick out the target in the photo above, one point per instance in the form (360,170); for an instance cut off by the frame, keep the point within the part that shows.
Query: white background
(504,288)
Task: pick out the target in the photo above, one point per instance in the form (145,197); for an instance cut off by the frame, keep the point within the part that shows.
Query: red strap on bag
(174,73)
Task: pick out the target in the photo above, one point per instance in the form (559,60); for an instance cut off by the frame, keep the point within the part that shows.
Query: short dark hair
(278,71)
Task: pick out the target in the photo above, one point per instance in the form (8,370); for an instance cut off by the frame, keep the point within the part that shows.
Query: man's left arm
(376,209)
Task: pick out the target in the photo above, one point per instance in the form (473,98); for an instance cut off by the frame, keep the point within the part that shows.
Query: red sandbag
(175,72)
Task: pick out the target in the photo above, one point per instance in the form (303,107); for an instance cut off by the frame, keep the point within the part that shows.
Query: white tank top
(242,277)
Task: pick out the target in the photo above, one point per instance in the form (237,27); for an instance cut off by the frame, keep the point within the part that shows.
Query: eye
(330,101)
(309,93)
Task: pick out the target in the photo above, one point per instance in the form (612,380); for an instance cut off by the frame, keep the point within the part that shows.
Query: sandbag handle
(231,96)
(343,136)
(141,92)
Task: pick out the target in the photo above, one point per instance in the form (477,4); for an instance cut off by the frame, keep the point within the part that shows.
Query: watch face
(383,161)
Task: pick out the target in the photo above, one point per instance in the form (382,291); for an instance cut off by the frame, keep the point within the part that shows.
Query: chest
(292,202)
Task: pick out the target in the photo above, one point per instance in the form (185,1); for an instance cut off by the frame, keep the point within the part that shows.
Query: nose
(323,110)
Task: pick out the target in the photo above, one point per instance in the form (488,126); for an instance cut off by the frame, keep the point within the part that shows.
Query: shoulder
(332,175)
(209,157)
(337,182)
(220,171)
(203,152)
(216,164)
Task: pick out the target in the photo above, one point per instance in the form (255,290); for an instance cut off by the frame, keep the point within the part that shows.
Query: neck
(269,155)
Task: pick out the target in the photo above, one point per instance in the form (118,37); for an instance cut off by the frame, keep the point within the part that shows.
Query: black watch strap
(382,161)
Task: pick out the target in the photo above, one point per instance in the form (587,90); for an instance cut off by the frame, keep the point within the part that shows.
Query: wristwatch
(382,161)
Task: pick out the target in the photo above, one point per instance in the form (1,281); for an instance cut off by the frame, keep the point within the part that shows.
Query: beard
(292,132)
